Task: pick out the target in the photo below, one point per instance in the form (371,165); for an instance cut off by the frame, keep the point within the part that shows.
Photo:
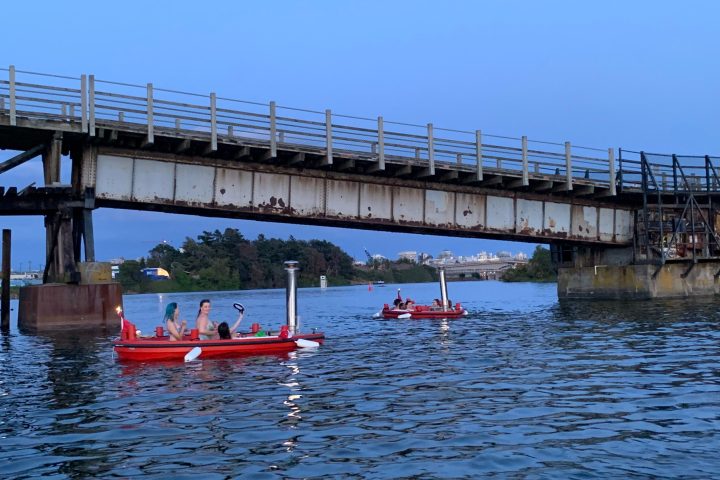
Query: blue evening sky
(641,75)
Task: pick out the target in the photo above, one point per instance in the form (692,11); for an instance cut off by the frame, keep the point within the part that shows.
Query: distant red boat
(423,311)
(160,348)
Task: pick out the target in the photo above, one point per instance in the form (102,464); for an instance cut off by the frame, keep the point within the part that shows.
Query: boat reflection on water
(219,368)
(294,415)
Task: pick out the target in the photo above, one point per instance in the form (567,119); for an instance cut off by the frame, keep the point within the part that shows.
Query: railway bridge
(619,223)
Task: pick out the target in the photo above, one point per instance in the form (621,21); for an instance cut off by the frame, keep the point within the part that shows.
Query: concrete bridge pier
(74,294)
(593,273)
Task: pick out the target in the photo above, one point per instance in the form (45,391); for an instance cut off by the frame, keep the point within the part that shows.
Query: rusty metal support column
(51,173)
(66,250)
(52,228)
(5,295)
(51,159)
(88,235)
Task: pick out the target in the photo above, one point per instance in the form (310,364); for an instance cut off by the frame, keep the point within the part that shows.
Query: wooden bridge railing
(88,103)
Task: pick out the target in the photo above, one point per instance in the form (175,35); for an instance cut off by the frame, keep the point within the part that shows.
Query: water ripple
(524,387)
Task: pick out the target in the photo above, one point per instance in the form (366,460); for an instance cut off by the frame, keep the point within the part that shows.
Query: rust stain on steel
(469,211)
(584,221)
(606,224)
(529,216)
(408,205)
(439,208)
(524,227)
(194,184)
(233,188)
(342,198)
(376,200)
(500,213)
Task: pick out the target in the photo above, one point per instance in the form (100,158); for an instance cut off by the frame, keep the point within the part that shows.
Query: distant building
(445,255)
(25,278)
(411,256)
(156,273)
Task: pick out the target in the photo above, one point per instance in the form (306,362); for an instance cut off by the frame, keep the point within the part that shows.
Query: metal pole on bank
(291,295)
(5,294)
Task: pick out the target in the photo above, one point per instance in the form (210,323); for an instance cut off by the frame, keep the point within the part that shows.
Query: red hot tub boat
(159,347)
(423,311)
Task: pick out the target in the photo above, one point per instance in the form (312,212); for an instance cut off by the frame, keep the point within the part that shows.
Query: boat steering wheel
(239,307)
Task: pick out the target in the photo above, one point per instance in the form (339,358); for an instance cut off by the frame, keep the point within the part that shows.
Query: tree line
(538,269)
(228,261)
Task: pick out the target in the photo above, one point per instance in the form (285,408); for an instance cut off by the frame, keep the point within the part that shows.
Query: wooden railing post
(611,169)
(273,130)
(150,115)
(478,155)
(91,105)
(431,149)
(83,103)
(213,122)
(381,144)
(525,175)
(568,166)
(13,101)
(328,138)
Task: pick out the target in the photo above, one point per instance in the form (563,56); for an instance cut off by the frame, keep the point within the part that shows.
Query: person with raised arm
(224,331)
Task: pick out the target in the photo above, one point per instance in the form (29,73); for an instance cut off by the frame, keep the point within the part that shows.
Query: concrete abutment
(611,274)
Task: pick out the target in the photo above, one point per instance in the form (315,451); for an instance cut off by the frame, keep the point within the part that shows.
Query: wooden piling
(5,295)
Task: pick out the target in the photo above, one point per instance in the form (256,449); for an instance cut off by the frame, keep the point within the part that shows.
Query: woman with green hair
(175,330)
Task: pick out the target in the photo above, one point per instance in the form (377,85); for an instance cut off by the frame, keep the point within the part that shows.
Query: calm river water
(524,387)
